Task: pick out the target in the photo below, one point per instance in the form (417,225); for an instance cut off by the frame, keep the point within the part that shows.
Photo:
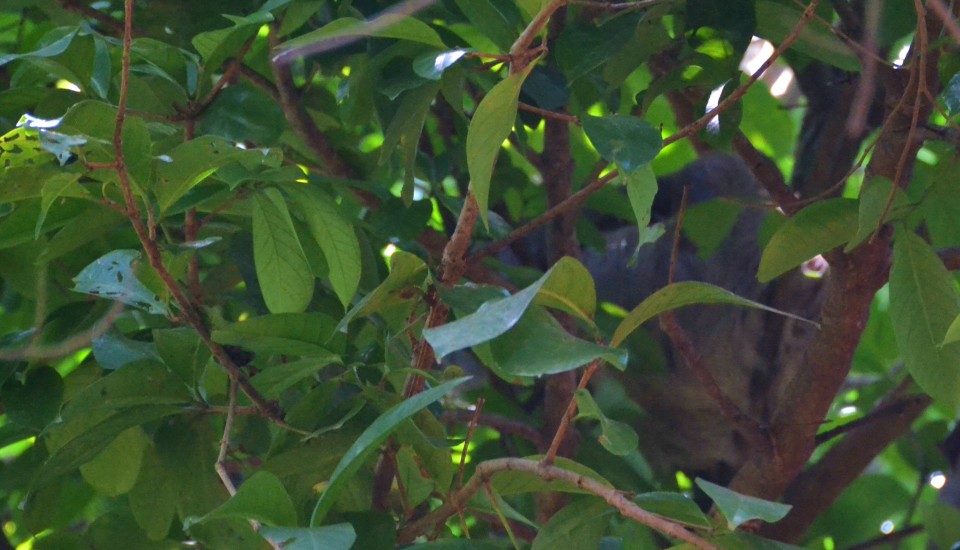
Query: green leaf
(113,276)
(395,25)
(406,270)
(334,234)
(776,21)
(496,21)
(56,187)
(191,162)
(923,303)
(276,379)
(154,497)
(36,402)
(951,95)
(629,142)
(515,483)
(673,506)
(539,345)
(216,46)
(490,125)
(184,353)
(261,498)
(684,294)
(873,202)
(570,288)
(431,65)
(282,269)
(243,113)
(816,229)
(85,446)
(114,471)
(641,189)
(112,350)
(50,50)
(289,333)
(405,129)
(340,536)
(618,438)
(739,509)
(371,439)
(580,524)
(942,522)
(135,385)
(489,321)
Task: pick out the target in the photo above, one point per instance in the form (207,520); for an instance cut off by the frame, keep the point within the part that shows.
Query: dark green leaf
(739,509)
(816,229)
(282,268)
(776,21)
(580,524)
(153,498)
(114,471)
(370,440)
(923,303)
(36,402)
(629,142)
(50,50)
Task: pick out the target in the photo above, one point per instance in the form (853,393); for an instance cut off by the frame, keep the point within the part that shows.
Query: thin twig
(466,442)
(677,232)
(567,418)
(486,470)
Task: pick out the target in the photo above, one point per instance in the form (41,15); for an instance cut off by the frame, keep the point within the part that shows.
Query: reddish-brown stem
(567,418)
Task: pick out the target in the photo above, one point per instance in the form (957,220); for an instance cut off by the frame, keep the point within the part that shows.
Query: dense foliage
(262,280)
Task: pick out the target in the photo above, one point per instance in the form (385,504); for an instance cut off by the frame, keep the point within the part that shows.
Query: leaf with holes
(113,276)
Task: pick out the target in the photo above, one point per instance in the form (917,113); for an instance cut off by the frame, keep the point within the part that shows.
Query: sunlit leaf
(113,276)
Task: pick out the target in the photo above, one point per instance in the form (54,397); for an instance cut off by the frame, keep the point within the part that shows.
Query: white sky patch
(938,480)
(781,84)
(848,410)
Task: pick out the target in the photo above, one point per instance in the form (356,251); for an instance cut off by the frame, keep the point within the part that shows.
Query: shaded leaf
(50,50)
(684,294)
(260,498)
(36,402)
(114,471)
(113,276)
(739,509)
(370,440)
(673,506)
(923,303)
(629,142)
(580,524)
(816,229)
(395,25)
(153,498)
(513,482)
(406,270)
(282,268)
(873,202)
(776,21)
(618,438)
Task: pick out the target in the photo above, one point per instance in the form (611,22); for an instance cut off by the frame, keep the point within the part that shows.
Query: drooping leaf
(490,125)
(641,189)
(580,524)
(673,506)
(370,440)
(679,295)
(113,276)
(335,236)
(618,438)
(261,498)
(282,268)
(739,509)
(629,142)
(816,229)
(340,536)
(405,130)
(776,21)
(923,304)
(50,50)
